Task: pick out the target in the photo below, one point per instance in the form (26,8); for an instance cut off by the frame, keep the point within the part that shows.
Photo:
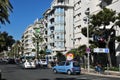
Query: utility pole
(87,12)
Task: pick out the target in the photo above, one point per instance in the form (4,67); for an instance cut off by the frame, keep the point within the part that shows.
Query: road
(14,72)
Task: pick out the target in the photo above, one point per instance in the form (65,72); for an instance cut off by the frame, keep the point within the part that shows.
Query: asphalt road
(15,72)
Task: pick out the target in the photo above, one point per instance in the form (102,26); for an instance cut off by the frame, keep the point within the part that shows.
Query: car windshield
(76,64)
(43,60)
(61,63)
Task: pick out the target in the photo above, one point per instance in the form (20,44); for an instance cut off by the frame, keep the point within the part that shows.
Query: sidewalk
(105,74)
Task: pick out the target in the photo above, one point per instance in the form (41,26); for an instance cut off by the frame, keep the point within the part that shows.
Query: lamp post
(87,12)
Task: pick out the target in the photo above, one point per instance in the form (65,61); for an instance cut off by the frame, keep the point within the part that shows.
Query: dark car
(11,61)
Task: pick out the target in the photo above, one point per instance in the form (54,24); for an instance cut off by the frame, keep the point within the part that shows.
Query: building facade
(63,23)
(27,40)
(66,18)
(60,26)
(30,38)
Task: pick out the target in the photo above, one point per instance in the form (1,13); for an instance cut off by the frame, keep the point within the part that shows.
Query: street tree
(6,41)
(38,37)
(37,40)
(98,29)
(5,9)
(16,49)
(60,57)
(118,24)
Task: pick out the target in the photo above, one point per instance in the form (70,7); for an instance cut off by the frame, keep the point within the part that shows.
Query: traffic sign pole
(88,53)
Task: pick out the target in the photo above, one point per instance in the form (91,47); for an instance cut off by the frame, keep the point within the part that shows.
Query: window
(57,37)
(61,63)
(60,1)
(76,64)
(67,63)
(79,14)
(67,1)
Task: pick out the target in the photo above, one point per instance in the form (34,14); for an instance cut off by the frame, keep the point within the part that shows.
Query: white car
(28,64)
(43,62)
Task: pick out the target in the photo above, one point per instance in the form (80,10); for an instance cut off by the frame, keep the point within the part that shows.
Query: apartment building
(60,26)
(80,18)
(27,39)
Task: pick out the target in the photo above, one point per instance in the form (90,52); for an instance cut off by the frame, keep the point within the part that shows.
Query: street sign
(48,51)
(101,50)
(70,56)
(87,50)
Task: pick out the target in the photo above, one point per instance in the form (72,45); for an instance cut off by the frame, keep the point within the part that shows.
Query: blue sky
(25,12)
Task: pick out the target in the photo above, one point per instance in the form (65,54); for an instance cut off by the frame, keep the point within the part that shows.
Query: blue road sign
(106,50)
(101,50)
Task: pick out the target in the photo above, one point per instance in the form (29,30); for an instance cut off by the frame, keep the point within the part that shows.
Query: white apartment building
(27,38)
(80,7)
(60,26)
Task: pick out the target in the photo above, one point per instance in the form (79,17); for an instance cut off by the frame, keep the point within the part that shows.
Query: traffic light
(102,43)
(100,40)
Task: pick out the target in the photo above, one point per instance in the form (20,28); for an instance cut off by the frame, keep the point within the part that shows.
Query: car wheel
(69,72)
(55,71)
(78,73)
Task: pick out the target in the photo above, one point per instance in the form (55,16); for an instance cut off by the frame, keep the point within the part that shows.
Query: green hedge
(113,68)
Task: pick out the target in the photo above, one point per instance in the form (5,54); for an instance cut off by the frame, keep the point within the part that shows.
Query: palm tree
(82,50)
(60,56)
(5,8)
(38,39)
(5,41)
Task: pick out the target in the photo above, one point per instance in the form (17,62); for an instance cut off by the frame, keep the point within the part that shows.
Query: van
(69,67)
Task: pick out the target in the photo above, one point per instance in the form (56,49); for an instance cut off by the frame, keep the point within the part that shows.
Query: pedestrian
(98,68)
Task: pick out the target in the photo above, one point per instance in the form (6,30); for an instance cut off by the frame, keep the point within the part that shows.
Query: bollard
(119,67)
(107,69)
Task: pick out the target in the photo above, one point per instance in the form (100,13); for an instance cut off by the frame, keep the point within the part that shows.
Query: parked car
(43,63)
(11,61)
(69,67)
(28,64)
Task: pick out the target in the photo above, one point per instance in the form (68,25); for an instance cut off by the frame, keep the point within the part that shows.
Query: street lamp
(87,12)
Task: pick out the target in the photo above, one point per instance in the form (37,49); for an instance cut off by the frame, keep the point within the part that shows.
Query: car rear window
(76,64)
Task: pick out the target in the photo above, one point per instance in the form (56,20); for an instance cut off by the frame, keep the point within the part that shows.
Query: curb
(106,74)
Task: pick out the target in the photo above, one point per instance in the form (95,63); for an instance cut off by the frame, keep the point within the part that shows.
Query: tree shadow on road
(64,79)
(44,79)
(3,79)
